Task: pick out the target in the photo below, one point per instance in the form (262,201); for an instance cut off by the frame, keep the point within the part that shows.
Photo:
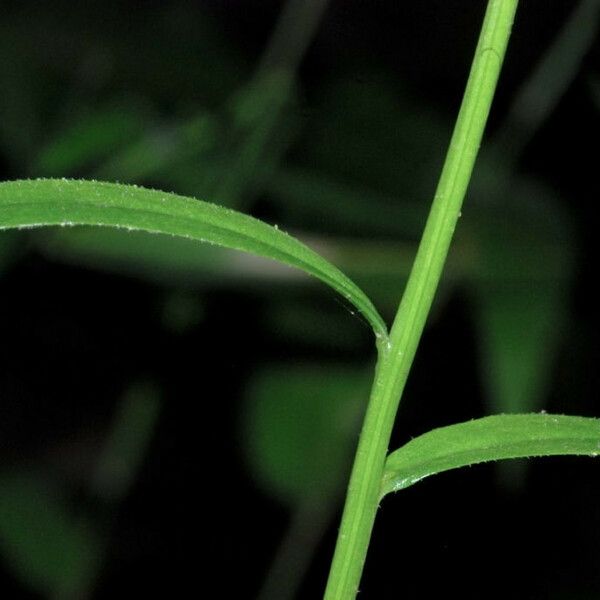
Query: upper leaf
(491,438)
(35,203)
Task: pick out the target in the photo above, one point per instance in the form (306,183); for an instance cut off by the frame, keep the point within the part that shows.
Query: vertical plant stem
(396,355)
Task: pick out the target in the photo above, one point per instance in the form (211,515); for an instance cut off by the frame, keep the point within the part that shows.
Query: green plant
(63,202)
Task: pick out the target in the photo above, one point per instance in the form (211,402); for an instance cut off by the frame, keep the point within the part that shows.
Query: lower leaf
(487,439)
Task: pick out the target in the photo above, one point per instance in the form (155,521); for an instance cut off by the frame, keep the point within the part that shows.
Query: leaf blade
(491,438)
(45,202)
(299,424)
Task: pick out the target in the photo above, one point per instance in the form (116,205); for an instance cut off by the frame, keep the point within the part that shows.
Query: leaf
(90,138)
(50,549)
(299,426)
(162,148)
(157,258)
(35,203)
(490,438)
(520,284)
(520,331)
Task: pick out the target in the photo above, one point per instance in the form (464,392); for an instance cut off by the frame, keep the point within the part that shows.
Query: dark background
(193,340)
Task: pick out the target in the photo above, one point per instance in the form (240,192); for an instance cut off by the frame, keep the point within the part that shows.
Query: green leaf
(50,549)
(491,438)
(89,138)
(299,425)
(520,331)
(35,203)
(520,281)
(164,147)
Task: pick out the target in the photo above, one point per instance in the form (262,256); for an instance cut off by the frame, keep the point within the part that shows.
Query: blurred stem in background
(58,549)
(546,85)
(258,108)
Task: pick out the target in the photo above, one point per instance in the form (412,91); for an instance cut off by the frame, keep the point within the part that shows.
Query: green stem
(396,355)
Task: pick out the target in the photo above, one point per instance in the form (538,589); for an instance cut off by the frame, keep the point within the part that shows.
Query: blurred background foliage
(176,415)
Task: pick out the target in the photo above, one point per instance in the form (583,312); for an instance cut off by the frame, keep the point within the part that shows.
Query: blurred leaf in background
(51,549)
(54,545)
(90,138)
(520,283)
(299,426)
